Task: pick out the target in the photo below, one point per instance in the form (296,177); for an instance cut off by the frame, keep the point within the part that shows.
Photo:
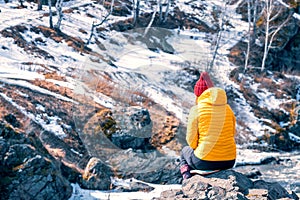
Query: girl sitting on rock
(210,130)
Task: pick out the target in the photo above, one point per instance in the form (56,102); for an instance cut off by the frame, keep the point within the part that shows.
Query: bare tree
(254,17)
(219,35)
(94,25)
(152,19)
(268,10)
(40,4)
(249,34)
(58,6)
(50,14)
(167,11)
(160,5)
(136,12)
(21,3)
(159,9)
(271,29)
(163,16)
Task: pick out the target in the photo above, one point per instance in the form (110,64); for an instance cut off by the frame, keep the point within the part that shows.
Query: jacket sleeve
(233,121)
(192,135)
(234,124)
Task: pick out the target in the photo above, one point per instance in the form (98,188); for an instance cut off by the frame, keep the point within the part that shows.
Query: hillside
(120,101)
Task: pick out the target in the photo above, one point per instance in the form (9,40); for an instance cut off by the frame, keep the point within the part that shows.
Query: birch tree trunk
(40,5)
(160,11)
(152,19)
(219,37)
(272,30)
(254,19)
(268,11)
(136,12)
(59,6)
(50,14)
(167,11)
(249,35)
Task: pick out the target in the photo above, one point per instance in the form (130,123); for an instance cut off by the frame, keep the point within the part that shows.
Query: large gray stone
(150,167)
(275,190)
(134,128)
(134,121)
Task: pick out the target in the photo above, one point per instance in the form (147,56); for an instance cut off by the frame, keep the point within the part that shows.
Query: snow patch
(22,94)
(52,124)
(35,88)
(61,83)
(18,71)
(294,137)
(40,107)
(268,99)
(296,15)
(82,194)
(253,157)
(164,100)
(104,100)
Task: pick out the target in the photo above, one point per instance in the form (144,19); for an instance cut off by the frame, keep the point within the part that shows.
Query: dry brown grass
(55,76)
(53,87)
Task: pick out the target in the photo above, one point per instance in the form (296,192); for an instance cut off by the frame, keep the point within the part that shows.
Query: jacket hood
(214,96)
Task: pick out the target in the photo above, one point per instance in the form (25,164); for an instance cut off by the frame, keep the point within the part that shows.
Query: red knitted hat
(202,84)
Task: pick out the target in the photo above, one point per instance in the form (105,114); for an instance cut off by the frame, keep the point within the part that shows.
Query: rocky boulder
(134,120)
(134,127)
(151,167)
(227,184)
(110,131)
(25,173)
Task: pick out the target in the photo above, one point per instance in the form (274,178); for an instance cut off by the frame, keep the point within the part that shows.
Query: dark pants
(188,157)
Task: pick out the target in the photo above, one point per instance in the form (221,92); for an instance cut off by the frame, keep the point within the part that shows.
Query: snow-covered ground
(81,194)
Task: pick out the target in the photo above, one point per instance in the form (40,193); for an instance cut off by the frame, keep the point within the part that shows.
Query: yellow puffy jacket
(211,127)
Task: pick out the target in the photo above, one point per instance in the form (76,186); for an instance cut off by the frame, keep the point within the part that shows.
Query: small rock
(11,119)
(96,175)
(257,194)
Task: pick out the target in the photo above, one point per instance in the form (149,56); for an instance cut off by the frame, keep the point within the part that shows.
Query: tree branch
(99,24)
(151,21)
(278,29)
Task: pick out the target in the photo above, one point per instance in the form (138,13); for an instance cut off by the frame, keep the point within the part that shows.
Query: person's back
(210,130)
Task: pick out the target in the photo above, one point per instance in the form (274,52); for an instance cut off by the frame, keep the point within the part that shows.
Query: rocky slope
(285,43)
